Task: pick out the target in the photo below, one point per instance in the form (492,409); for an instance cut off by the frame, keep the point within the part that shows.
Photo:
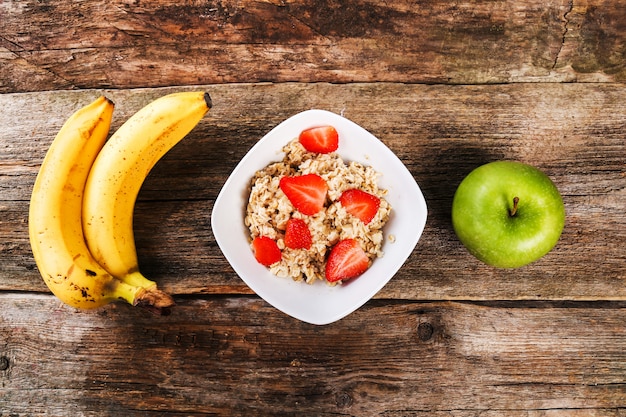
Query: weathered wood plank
(573,131)
(122,44)
(223,351)
(233,356)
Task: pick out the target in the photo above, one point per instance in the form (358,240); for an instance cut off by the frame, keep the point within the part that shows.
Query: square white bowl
(319,303)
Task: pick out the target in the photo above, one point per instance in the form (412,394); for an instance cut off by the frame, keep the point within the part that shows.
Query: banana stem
(154,300)
(138,280)
(124,291)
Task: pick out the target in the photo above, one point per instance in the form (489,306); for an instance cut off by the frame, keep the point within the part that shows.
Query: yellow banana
(55,226)
(119,172)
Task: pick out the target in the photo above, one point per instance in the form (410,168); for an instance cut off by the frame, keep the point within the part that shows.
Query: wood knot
(343,400)
(4,363)
(425,331)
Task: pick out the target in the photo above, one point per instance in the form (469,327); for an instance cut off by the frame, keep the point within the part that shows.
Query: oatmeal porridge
(272,207)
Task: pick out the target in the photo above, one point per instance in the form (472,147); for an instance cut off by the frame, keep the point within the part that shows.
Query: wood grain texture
(447,85)
(572,131)
(234,357)
(106,44)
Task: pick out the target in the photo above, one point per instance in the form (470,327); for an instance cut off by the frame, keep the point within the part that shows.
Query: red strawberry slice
(360,204)
(266,250)
(346,260)
(307,192)
(297,234)
(321,139)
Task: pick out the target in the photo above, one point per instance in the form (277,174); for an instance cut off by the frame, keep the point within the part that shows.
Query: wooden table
(447,86)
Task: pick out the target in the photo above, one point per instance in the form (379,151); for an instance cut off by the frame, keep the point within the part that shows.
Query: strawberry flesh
(321,139)
(297,234)
(360,204)
(266,250)
(307,193)
(346,260)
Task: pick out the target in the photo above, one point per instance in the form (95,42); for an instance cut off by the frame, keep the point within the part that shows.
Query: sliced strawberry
(321,139)
(307,192)
(346,260)
(297,234)
(360,204)
(266,250)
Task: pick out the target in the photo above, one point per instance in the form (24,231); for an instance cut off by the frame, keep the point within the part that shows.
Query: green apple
(508,214)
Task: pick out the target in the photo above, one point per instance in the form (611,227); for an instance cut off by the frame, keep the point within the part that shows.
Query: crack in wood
(565,31)
(10,46)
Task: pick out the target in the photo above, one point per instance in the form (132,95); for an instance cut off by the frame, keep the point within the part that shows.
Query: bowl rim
(281,290)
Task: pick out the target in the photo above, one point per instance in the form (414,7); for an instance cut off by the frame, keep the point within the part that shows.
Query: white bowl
(319,303)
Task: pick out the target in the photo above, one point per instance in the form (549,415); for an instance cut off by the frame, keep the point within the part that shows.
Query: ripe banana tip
(208,100)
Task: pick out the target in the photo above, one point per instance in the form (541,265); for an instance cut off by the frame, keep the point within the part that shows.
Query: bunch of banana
(81,210)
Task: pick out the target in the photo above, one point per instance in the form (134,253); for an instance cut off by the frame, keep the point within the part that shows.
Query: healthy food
(313,216)
(320,139)
(80,215)
(306,192)
(346,260)
(508,214)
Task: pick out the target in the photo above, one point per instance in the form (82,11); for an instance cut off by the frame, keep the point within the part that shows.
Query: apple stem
(513,211)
